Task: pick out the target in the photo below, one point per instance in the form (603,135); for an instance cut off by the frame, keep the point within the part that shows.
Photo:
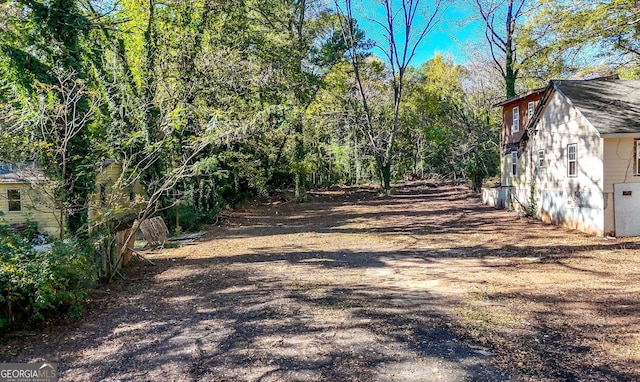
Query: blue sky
(457,30)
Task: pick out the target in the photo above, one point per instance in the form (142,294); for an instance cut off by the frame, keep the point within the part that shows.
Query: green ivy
(533,206)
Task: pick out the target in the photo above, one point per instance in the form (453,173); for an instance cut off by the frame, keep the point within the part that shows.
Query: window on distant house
(103,194)
(530,109)
(14,200)
(540,158)
(516,119)
(572,159)
(514,163)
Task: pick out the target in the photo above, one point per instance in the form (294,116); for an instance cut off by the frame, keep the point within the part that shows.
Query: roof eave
(546,95)
(620,135)
(519,97)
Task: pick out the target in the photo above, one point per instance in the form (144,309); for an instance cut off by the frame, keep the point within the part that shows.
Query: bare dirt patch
(425,284)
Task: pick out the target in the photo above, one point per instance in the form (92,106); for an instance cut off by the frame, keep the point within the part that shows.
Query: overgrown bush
(187,216)
(34,285)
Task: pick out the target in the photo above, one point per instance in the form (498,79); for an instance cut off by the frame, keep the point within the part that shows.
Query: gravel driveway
(350,286)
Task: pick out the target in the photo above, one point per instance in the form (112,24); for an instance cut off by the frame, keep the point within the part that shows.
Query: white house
(26,195)
(580,157)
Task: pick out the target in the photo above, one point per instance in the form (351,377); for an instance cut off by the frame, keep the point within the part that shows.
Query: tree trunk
(386,175)
(300,190)
(510,76)
(510,71)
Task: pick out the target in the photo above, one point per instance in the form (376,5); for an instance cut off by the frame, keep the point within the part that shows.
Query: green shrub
(34,285)
(189,217)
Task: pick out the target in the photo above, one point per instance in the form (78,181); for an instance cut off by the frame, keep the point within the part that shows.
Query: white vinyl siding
(577,201)
(516,119)
(35,205)
(618,154)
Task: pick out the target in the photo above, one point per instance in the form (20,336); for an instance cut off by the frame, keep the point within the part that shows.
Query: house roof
(29,172)
(25,172)
(105,164)
(519,97)
(611,106)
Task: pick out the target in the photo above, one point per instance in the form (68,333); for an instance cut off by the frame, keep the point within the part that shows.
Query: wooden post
(123,246)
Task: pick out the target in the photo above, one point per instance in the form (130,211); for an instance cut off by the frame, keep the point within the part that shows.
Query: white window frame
(531,107)
(14,200)
(541,158)
(514,163)
(573,160)
(515,113)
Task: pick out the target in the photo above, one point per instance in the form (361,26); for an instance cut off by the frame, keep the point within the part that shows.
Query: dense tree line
(208,102)
(242,97)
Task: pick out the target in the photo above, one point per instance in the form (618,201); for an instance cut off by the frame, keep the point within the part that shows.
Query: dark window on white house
(103,194)
(514,163)
(572,159)
(14,200)
(540,158)
(516,119)
(531,107)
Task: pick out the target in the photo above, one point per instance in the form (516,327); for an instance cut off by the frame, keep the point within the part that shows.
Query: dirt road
(423,285)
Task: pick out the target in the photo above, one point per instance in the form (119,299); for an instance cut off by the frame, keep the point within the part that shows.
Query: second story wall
(113,197)
(516,114)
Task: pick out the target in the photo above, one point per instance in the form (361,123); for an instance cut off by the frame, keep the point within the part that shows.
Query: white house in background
(581,157)
(26,195)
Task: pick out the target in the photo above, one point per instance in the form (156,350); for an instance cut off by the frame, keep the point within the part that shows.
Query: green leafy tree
(432,106)
(303,41)
(503,20)
(608,30)
(452,129)
(45,57)
(336,124)
(404,26)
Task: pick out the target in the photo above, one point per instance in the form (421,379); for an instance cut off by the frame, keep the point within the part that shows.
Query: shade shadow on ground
(351,286)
